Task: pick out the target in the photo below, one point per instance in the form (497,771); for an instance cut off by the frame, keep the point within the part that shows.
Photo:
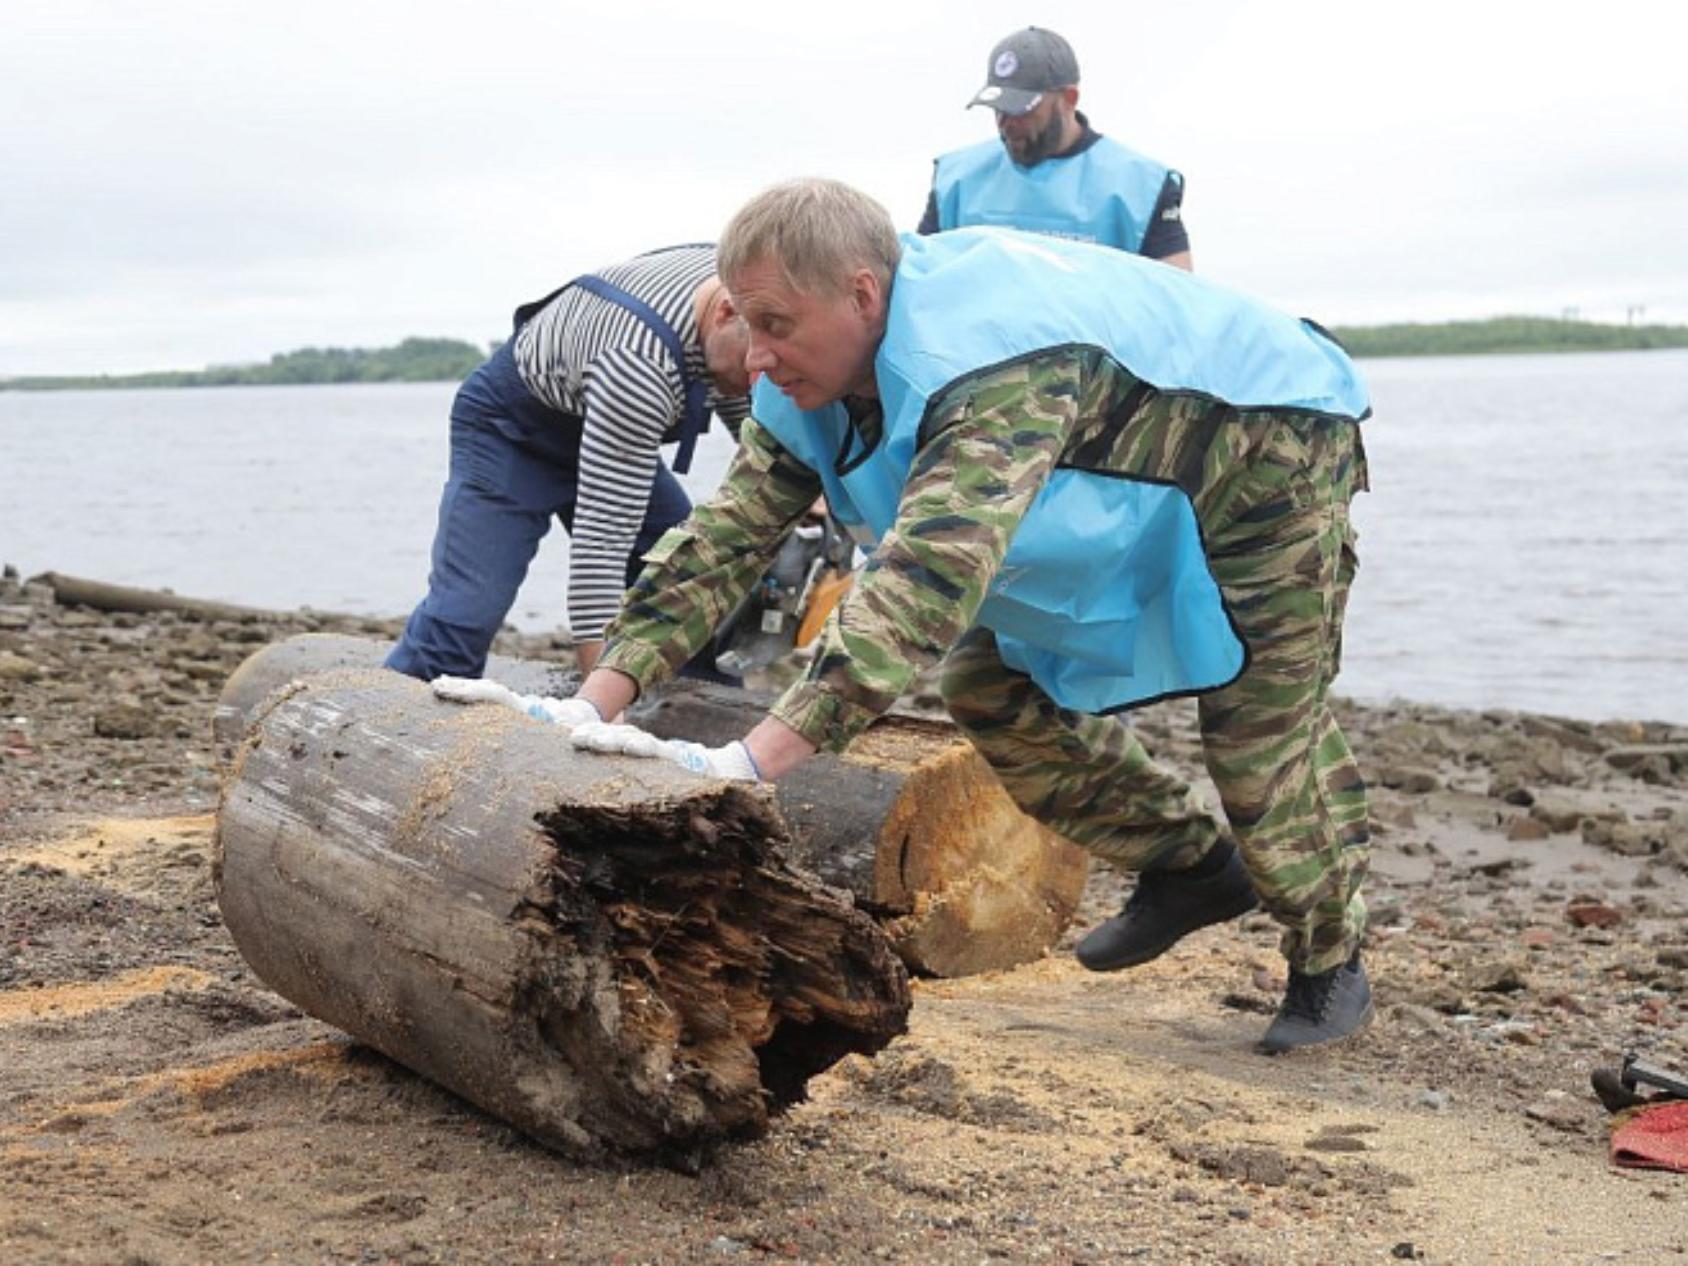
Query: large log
(608,953)
(908,819)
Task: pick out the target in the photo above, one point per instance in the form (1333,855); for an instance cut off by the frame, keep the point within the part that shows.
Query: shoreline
(143,669)
(1392,341)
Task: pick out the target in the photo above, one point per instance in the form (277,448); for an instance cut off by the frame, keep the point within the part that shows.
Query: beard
(1036,146)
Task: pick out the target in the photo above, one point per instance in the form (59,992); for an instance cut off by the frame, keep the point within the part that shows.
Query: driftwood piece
(76,591)
(908,819)
(608,953)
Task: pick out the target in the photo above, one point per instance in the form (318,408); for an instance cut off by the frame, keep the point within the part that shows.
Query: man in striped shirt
(566,419)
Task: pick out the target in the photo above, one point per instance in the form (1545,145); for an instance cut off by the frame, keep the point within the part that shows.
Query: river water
(1525,544)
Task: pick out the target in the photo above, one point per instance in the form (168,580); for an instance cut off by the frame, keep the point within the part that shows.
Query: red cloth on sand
(1654,1138)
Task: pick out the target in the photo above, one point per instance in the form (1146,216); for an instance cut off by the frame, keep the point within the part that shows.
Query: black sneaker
(1166,907)
(1320,1008)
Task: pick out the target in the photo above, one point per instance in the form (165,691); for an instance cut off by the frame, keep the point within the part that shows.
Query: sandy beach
(1529,900)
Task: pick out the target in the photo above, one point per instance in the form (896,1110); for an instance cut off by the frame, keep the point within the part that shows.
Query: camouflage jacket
(991,444)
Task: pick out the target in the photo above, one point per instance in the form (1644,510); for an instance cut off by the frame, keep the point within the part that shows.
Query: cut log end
(987,888)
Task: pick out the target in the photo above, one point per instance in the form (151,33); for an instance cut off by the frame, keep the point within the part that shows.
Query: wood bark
(908,819)
(610,954)
(307,654)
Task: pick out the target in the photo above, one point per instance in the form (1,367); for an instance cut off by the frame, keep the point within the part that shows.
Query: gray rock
(1548,760)
(1421,1017)
(1556,814)
(1333,1139)
(1577,735)
(16,668)
(1411,779)
(1258,1164)
(1442,997)
(1590,912)
(1416,736)
(1510,788)
(1638,758)
(1628,839)
(1502,976)
(1395,813)
(123,721)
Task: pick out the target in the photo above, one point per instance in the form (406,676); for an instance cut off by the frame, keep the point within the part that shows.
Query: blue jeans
(514,465)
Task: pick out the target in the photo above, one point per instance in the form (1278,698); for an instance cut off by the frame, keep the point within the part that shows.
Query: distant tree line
(1506,334)
(451,360)
(414,360)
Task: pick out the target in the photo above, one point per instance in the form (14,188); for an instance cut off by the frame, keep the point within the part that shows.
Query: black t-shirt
(1164,236)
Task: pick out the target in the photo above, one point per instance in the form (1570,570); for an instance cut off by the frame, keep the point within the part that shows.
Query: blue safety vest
(694,416)
(1104,598)
(1107,193)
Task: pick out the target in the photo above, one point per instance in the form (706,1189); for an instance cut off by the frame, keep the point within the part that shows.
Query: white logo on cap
(990,94)
(1006,64)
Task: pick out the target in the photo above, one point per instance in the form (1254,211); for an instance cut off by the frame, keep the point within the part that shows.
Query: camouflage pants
(1271,492)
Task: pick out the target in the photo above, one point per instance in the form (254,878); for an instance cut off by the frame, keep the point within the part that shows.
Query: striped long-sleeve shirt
(592,358)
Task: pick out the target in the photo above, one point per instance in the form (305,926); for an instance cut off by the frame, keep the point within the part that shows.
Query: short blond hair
(818,231)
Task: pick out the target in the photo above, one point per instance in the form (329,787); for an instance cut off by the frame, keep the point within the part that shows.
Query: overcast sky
(197,183)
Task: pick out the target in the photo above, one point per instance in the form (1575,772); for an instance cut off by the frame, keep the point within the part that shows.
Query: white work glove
(567,713)
(732,762)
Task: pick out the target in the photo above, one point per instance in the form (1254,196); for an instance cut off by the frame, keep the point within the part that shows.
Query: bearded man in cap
(1053,173)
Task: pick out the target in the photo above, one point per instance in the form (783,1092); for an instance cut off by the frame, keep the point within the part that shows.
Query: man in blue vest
(1052,172)
(565,422)
(1088,483)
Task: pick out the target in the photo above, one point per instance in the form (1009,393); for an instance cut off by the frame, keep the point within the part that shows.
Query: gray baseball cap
(1023,67)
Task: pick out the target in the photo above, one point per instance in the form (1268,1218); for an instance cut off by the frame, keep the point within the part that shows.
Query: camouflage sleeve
(696,575)
(990,446)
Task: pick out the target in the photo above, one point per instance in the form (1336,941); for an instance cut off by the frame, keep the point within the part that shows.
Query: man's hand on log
(567,713)
(732,762)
